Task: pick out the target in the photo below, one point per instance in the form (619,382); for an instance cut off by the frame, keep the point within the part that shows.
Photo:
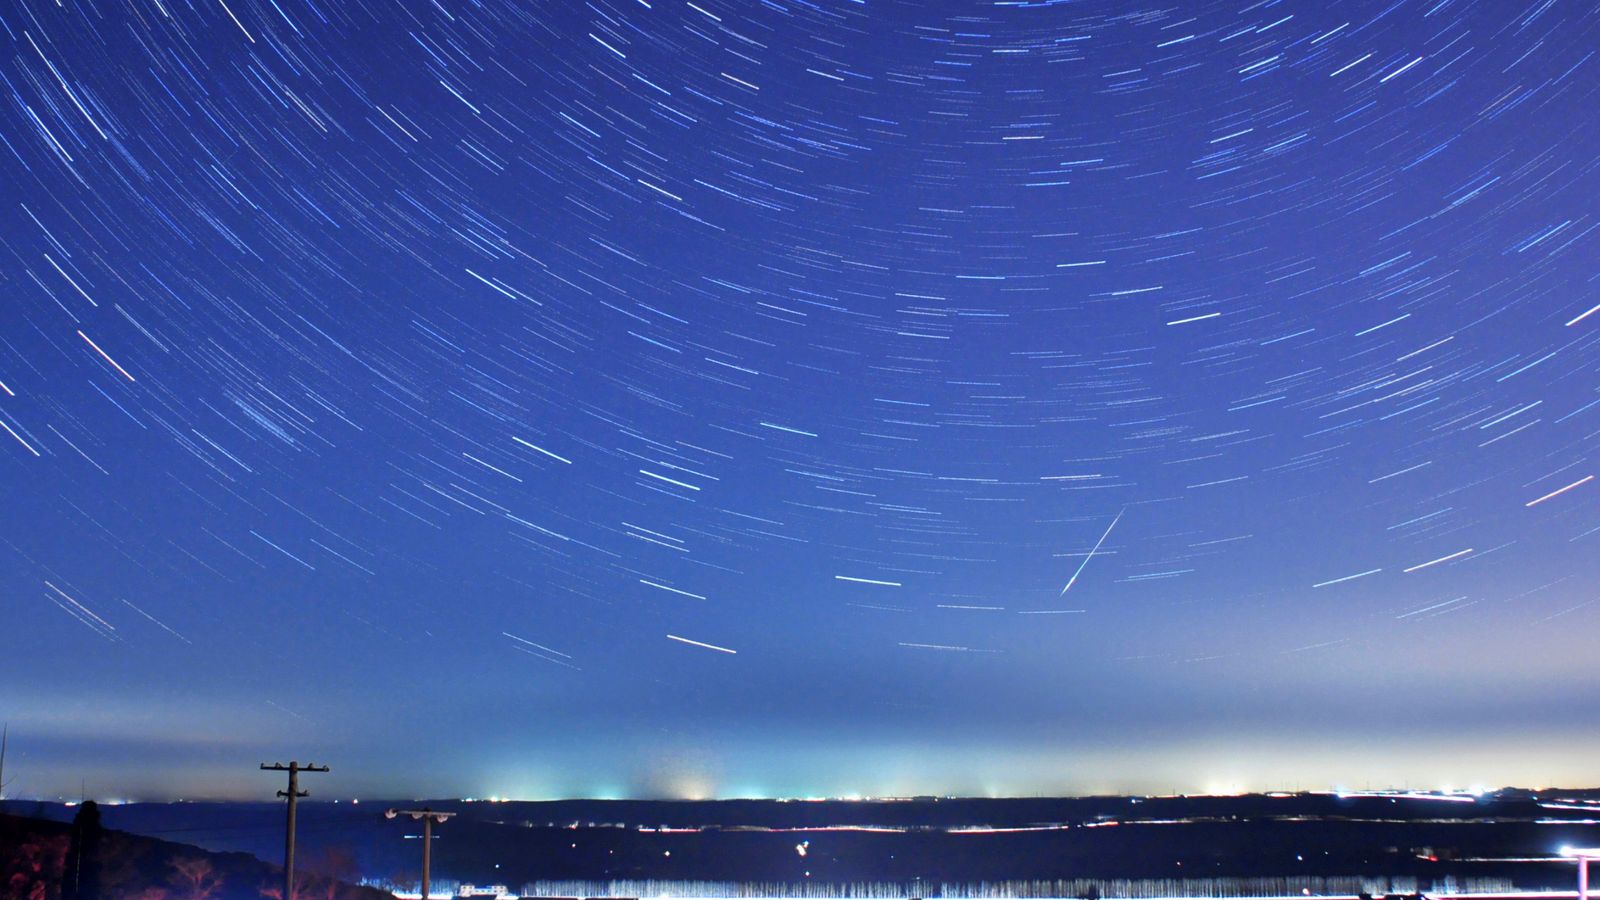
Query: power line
(429,817)
(293,795)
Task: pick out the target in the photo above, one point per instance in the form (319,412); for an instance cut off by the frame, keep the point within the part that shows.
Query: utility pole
(429,817)
(5,732)
(1583,855)
(293,794)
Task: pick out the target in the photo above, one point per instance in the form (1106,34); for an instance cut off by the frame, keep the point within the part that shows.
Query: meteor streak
(1071,581)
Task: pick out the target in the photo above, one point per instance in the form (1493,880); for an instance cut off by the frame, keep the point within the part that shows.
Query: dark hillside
(37,856)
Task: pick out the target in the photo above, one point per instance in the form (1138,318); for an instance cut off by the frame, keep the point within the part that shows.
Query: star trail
(788,397)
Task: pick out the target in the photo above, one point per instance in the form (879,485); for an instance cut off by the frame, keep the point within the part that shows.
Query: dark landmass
(1244,844)
(48,860)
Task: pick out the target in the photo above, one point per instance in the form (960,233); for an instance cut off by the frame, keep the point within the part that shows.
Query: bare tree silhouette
(196,877)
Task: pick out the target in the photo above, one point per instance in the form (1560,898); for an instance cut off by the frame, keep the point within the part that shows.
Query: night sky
(798,397)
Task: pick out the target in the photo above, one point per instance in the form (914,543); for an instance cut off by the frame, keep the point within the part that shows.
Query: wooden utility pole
(5,732)
(293,794)
(429,817)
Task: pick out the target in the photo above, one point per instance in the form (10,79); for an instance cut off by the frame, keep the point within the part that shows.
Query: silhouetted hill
(35,856)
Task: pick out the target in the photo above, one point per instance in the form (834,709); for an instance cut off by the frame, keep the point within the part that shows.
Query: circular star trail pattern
(796,397)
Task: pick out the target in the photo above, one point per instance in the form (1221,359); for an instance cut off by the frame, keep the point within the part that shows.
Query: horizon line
(1454,794)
